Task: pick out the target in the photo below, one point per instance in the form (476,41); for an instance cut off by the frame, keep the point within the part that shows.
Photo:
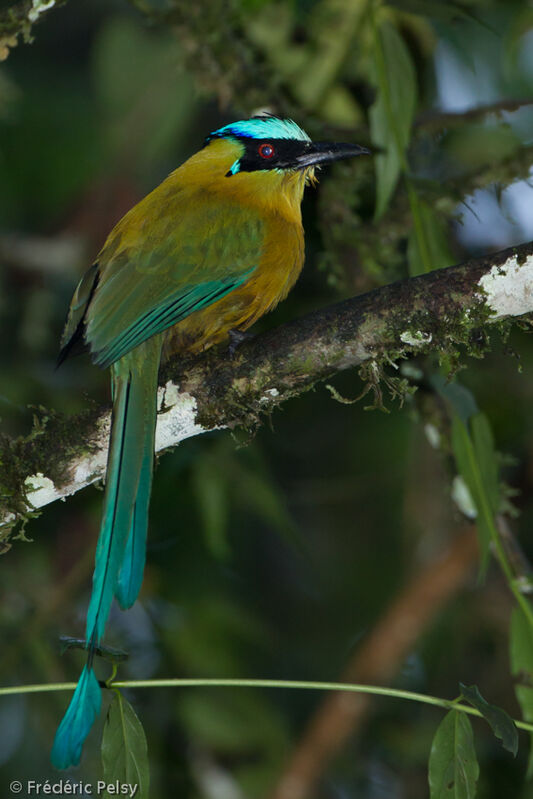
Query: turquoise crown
(262,127)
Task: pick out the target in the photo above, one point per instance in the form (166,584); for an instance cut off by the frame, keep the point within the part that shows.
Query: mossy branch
(444,312)
(18,19)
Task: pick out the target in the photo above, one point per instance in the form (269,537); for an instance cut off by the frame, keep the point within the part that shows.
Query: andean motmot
(218,244)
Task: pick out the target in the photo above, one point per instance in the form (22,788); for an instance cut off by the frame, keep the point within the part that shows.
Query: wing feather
(182,260)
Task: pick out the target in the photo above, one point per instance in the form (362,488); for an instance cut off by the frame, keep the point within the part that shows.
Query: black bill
(324,152)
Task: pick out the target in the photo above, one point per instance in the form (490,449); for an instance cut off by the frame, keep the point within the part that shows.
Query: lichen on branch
(444,312)
(18,19)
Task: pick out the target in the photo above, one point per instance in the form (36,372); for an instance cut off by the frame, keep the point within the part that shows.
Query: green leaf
(124,748)
(435,9)
(459,397)
(468,468)
(436,240)
(146,101)
(521,655)
(391,116)
(476,146)
(486,458)
(520,25)
(261,495)
(477,464)
(501,723)
(453,766)
(210,484)
(258,492)
(476,459)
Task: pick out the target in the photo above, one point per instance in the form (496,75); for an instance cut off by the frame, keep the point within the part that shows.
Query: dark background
(271,553)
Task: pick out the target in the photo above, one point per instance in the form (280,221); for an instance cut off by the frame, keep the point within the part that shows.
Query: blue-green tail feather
(122,541)
(131,571)
(128,481)
(77,722)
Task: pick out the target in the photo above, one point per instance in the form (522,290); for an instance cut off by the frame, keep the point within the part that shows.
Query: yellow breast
(276,197)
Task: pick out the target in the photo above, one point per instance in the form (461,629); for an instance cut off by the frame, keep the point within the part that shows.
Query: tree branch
(18,19)
(439,312)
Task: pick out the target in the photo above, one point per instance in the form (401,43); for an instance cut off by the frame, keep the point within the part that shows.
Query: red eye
(266,150)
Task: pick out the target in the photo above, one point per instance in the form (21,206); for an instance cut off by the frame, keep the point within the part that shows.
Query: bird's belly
(270,283)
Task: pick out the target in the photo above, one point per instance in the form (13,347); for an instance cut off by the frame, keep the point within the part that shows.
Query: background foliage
(274,553)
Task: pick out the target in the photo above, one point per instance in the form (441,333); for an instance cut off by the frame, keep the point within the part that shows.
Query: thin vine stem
(178,682)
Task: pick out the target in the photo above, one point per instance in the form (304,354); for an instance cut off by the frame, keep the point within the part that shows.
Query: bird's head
(267,154)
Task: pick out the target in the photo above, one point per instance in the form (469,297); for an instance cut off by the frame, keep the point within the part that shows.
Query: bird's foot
(236,338)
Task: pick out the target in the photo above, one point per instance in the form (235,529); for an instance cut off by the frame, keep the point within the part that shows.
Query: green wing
(171,310)
(166,259)
(73,333)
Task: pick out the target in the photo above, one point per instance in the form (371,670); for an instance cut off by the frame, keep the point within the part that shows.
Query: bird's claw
(236,338)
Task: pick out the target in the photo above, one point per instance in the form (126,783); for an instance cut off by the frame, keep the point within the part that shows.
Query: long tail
(131,571)
(77,721)
(120,552)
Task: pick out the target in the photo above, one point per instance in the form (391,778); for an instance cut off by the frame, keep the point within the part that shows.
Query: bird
(210,250)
